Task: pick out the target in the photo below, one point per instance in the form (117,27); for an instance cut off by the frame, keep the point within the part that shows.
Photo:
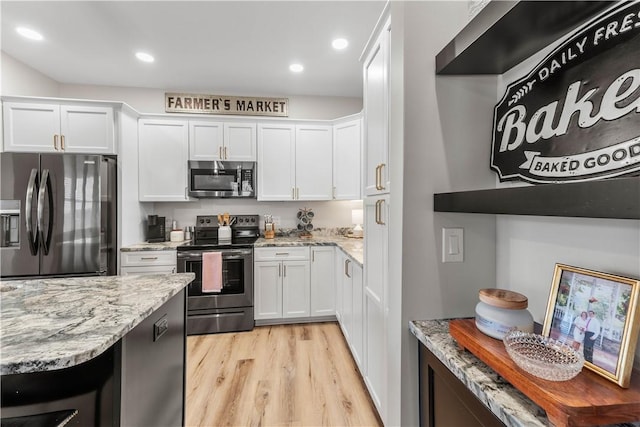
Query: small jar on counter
(500,310)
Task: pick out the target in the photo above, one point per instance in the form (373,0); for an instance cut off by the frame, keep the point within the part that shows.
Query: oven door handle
(189,255)
(234,256)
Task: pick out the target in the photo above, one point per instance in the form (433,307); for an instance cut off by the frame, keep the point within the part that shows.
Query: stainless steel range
(229,309)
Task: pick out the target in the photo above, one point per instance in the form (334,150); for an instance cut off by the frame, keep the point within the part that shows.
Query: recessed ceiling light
(29,33)
(296,68)
(339,44)
(144,57)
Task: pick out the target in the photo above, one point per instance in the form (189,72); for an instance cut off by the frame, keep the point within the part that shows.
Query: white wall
(152,100)
(447,136)
(20,79)
(327,214)
(529,247)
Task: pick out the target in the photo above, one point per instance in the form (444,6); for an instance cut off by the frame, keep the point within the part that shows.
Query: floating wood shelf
(609,198)
(504,33)
(586,400)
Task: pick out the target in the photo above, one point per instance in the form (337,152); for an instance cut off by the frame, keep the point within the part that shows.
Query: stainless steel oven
(231,309)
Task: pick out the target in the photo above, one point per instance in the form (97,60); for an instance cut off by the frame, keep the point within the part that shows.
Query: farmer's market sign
(218,104)
(576,115)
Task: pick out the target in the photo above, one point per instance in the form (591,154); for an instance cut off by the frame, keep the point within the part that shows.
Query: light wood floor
(285,375)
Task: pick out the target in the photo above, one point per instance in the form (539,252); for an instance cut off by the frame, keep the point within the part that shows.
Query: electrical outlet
(452,245)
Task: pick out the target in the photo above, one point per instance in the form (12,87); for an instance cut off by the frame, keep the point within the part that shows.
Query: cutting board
(586,400)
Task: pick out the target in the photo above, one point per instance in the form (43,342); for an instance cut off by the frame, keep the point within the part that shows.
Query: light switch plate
(452,245)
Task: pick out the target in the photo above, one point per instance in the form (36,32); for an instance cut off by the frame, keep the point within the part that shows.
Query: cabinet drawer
(143,258)
(283,253)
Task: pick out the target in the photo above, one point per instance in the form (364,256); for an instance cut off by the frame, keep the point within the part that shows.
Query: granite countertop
(507,403)
(159,246)
(48,324)
(352,247)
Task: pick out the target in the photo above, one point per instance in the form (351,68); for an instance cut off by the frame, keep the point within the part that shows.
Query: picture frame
(582,301)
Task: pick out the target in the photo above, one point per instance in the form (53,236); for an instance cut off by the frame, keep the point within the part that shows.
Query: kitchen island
(95,345)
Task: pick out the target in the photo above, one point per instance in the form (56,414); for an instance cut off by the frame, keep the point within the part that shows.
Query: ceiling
(226,47)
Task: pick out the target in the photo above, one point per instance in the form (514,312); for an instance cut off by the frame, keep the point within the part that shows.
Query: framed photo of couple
(598,315)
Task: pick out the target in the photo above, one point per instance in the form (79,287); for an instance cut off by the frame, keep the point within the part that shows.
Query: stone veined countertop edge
(505,401)
(351,247)
(49,324)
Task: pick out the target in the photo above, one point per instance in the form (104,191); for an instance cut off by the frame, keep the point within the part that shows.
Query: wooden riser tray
(586,400)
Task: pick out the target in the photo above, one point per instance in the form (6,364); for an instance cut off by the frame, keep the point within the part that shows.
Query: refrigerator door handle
(45,190)
(32,187)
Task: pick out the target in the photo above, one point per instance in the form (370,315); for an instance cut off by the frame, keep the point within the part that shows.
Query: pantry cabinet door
(276,162)
(240,142)
(295,289)
(206,140)
(30,127)
(268,290)
(376,117)
(162,160)
(314,160)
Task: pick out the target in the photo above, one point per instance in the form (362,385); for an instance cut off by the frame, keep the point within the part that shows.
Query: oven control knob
(201,221)
(208,221)
(253,220)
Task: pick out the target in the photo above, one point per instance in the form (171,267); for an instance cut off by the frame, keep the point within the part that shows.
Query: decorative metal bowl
(543,357)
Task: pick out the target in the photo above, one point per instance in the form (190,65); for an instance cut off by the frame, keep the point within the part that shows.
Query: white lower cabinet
(147,262)
(296,289)
(349,289)
(323,295)
(281,283)
(357,319)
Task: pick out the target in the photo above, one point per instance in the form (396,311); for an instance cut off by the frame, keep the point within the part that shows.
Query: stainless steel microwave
(216,179)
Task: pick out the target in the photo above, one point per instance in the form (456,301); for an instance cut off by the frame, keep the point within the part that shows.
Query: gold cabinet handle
(297,193)
(62,142)
(279,270)
(220,152)
(346,267)
(382,187)
(333,194)
(293,193)
(285,271)
(55,142)
(377,177)
(379,220)
(225,153)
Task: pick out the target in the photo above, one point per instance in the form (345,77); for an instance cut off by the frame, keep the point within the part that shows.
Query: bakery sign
(576,115)
(218,104)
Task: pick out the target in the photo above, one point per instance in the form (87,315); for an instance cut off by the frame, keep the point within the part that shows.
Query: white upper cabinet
(347,151)
(206,140)
(240,142)
(162,160)
(212,140)
(376,116)
(46,127)
(276,162)
(294,162)
(314,161)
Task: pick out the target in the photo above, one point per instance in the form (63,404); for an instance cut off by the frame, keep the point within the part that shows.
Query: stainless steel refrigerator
(57,215)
